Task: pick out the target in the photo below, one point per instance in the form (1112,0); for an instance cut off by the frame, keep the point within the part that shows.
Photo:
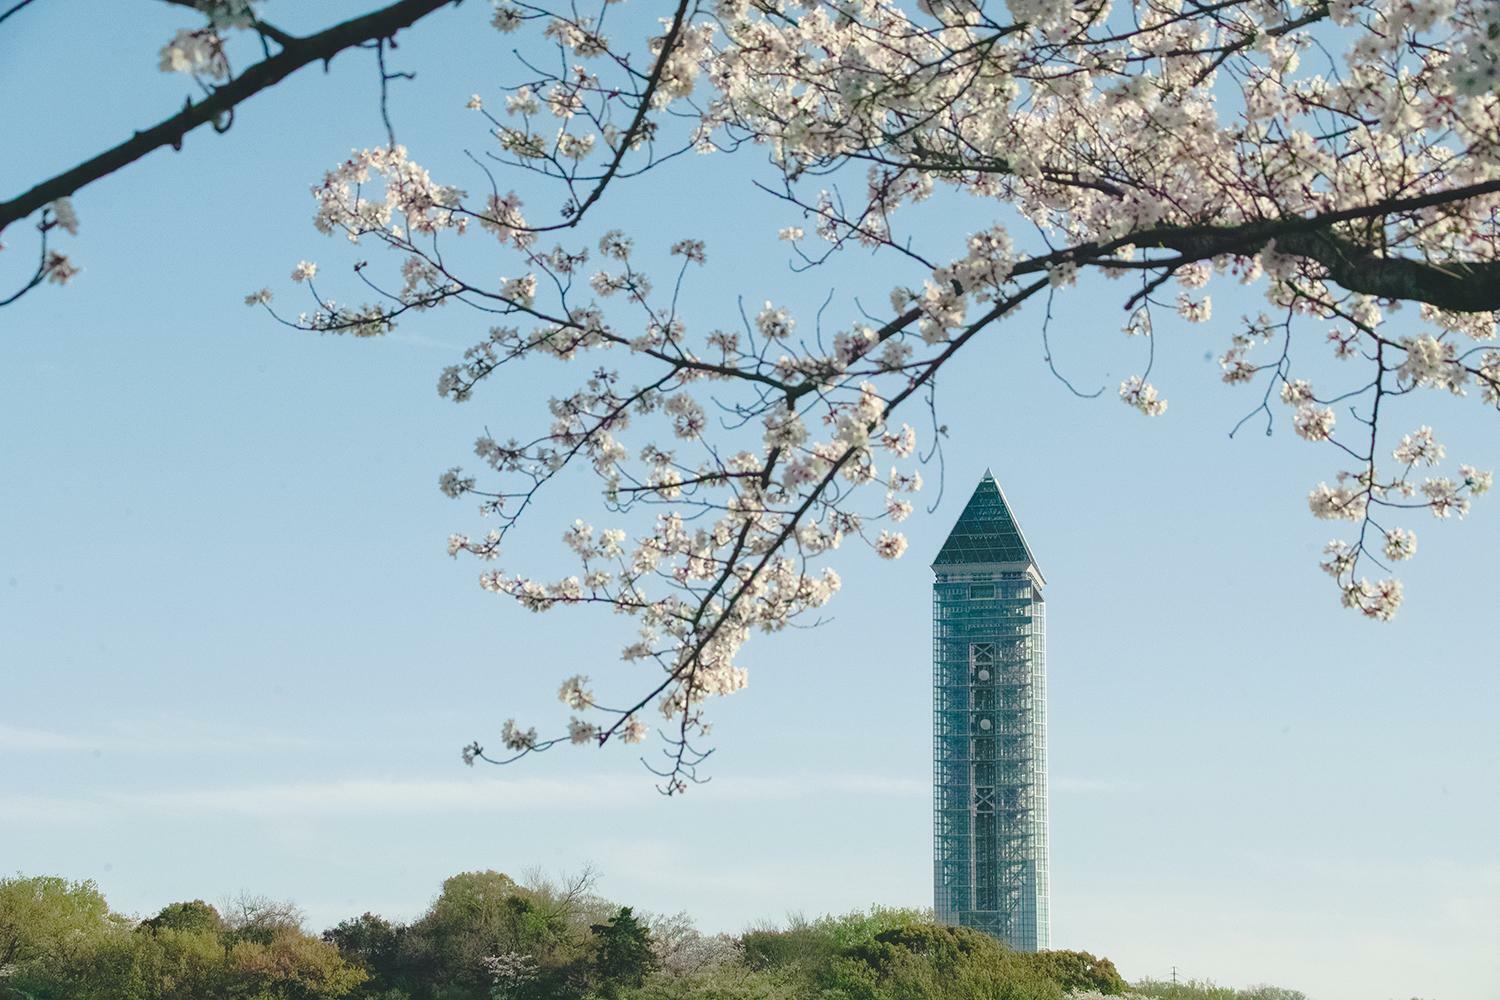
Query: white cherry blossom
(1338,160)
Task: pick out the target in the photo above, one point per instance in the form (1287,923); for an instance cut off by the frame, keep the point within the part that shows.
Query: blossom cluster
(1340,157)
(201,52)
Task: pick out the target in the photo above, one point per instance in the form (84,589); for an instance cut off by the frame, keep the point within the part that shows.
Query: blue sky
(235,656)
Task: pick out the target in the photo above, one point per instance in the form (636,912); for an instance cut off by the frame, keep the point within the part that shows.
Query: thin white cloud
(21,738)
(386,796)
(164,736)
(807,785)
(480,795)
(176,735)
(41,810)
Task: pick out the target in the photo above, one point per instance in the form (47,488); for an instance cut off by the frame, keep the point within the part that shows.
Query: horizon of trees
(487,936)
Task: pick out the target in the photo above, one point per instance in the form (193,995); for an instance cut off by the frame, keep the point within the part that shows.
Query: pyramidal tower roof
(986,531)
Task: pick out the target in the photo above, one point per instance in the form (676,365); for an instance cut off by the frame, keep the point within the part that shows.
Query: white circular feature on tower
(984,724)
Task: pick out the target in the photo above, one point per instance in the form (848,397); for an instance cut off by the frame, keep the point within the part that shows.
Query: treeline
(489,937)
(1198,989)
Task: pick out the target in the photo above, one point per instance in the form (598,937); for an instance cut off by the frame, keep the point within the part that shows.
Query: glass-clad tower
(989,727)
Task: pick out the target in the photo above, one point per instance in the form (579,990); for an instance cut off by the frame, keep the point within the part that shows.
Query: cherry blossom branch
(295,54)
(653,82)
(50,265)
(1179,143)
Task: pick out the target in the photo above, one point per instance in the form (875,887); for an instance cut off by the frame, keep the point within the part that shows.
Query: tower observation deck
(989,727)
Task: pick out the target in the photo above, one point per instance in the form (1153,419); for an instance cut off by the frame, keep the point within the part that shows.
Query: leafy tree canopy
(488,936)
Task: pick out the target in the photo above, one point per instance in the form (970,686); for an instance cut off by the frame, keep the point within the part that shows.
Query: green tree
(480,915)
(40,915)
(195,915)
(260,919)
(291,965)
(623,956)
(1268,992)
(375,944)
(59,941)
(812,945)
(1079,970)
(889,954)
(182,962)
(942,963)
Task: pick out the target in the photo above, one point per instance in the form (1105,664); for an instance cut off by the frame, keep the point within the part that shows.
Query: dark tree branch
(637,123)
(44,265)
(295,54)
(1455,286)
(14,9)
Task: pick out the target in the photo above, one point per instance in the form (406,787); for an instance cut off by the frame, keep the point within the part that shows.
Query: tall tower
(989,727)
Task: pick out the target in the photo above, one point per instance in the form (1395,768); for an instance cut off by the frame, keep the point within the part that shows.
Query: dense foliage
(60,941)
(490,937)
(891,954)
(487,936)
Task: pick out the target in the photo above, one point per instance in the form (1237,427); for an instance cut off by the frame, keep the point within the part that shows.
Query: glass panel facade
(989,729)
